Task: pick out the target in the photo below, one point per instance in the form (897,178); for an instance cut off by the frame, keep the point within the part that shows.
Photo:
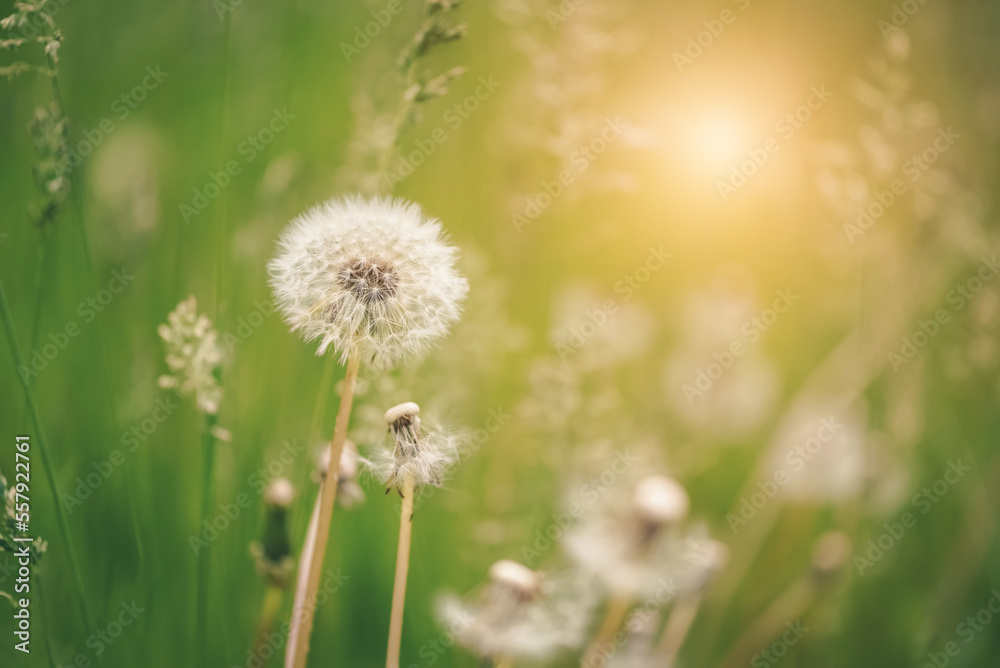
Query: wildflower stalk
(220,206)
(43,448)
(207,502)
(402,570)
(208,440)
(613,618)
(311,565)
(405,109)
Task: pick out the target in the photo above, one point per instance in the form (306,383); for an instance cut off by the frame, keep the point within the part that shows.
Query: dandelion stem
(43,449)
(402,570)
(676,632)
(308,546)
(596,656)
(312,559)
(316,426)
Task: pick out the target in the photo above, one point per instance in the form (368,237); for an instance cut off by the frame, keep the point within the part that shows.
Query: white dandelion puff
(420,455)
(518,614)
(372,277)
(634,548)
(193,356)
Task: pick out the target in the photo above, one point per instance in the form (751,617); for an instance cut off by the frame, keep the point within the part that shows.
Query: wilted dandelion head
(371,277)
(279,494)
(193,356)
(518,614)
(420,455)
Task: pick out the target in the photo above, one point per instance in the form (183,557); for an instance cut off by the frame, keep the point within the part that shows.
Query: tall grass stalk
(43,448)
(208,440)
(207,502)
(311,564)
(77,190)
(402,570)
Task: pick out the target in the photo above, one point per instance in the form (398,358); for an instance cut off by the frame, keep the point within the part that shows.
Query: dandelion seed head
(632,545)
(370,277)
(519,615)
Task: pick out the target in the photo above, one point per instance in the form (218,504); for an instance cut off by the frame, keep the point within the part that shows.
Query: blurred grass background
(288,56)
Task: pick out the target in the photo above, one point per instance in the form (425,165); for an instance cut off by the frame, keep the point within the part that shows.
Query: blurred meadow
(749,246)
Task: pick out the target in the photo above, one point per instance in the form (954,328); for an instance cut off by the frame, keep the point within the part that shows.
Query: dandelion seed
(373,278)
(193,356)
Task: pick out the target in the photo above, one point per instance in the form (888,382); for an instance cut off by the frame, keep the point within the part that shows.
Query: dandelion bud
(274,553)
(832,550)
(659,502)
(279,494)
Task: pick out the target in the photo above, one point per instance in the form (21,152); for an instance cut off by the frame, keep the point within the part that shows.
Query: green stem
(220,207)
(397,129)
(43,448)
(91,277)
(207,503)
